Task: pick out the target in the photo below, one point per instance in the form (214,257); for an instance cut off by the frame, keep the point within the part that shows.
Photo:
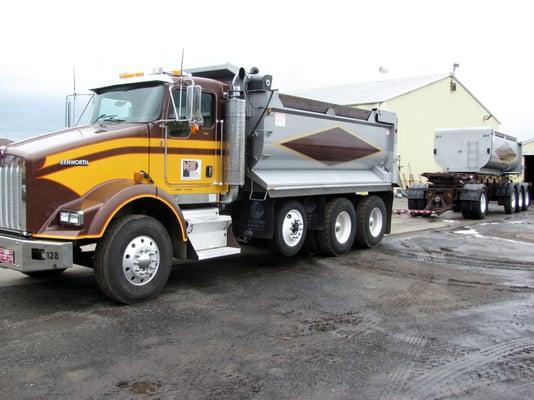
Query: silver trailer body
(477,150)
(304,147)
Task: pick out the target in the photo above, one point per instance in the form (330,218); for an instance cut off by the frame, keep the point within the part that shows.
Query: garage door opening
(529,169)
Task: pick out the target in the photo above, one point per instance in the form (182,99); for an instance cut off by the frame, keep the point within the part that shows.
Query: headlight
(71,217)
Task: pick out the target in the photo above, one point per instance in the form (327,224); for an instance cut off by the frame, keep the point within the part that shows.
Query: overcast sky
(302,44)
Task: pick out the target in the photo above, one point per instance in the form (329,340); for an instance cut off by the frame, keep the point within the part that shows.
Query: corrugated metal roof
(377,91)
(369,92)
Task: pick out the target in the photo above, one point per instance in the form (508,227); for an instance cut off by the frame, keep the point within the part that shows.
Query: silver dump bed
(477,150)
(302,146)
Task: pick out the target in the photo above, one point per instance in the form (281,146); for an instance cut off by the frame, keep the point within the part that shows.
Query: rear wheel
(479,209)
(520,199)
(133,260)
(416,204)
(526,199)
(370,221)
(465,207)
(510,202)
(339,230)
(289,228)
(44,274)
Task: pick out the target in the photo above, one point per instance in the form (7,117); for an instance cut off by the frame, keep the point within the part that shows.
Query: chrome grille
(12,198)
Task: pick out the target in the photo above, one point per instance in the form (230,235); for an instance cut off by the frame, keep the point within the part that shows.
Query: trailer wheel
(520,199)
(416,204)
(526,199)
(370,221)
(289,228)
(465,207)
(339,230)
(44,274)
(479,209)
(133,260)
(510,202)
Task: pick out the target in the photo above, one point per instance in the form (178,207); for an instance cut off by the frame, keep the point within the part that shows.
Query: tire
(365,237)
(510,202)
(416,204)
(520,199)
(128,238)
(479,209)
(339,229)
(311,245)
(290,227)
(465,207)
(526,200)
(53,273)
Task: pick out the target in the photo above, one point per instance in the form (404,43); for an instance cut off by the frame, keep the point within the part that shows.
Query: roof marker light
(131,75)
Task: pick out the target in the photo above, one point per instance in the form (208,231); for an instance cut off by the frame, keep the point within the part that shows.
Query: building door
(529,169)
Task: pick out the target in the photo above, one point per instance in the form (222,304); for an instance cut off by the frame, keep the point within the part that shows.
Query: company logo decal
(74,163)
(332,146)
(506,153)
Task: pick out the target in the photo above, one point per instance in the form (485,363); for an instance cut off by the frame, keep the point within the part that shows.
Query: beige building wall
(528,149)
(421,112)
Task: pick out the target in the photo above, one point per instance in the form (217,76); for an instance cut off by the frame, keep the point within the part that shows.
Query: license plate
(7,256)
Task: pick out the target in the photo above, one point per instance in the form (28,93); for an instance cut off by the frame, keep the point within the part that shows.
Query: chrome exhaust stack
(235,135)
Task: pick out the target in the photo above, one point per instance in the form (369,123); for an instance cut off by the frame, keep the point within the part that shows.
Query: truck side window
(181,129)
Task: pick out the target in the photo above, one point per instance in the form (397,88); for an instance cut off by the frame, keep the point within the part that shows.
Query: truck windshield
(128,103)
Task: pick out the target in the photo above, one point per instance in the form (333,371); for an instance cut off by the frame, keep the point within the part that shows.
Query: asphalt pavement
(444,310)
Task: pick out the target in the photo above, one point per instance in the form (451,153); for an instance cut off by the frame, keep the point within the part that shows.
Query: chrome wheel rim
(513,199)
(343,227)
(140,260)
(483,203)
(527,198)
(293,228)
(375,222)
(520,199)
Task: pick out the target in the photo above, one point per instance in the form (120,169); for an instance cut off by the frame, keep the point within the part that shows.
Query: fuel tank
(477,150)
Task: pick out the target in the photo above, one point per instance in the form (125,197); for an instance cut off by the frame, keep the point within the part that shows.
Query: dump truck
(478,165)
(192,166)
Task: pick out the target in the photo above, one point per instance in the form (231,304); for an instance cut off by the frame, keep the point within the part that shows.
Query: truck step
(217,252)
(208,230)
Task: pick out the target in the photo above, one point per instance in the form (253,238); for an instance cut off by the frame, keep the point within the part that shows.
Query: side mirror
(194,105)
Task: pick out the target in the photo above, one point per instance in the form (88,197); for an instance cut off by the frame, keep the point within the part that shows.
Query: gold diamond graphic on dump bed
(332,146)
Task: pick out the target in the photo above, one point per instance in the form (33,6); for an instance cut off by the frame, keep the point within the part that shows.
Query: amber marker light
(131,75)
(195,128)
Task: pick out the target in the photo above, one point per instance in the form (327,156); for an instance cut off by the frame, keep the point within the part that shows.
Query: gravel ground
(446,313)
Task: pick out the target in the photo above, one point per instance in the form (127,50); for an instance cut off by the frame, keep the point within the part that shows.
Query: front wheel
(133,260)
(370,221)
(289,228)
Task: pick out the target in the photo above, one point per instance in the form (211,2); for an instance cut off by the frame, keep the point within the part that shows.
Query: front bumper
(36,255)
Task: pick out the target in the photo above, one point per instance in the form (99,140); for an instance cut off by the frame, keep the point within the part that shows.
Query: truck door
(192,160)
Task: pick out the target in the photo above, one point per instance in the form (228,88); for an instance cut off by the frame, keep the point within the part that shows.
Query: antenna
(182,63)
(73,93)
(74,80)
(454,67)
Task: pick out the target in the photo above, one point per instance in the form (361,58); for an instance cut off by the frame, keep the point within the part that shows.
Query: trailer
(479,165)
(192,166)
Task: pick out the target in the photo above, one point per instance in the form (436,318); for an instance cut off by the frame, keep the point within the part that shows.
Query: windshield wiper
(108,118)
